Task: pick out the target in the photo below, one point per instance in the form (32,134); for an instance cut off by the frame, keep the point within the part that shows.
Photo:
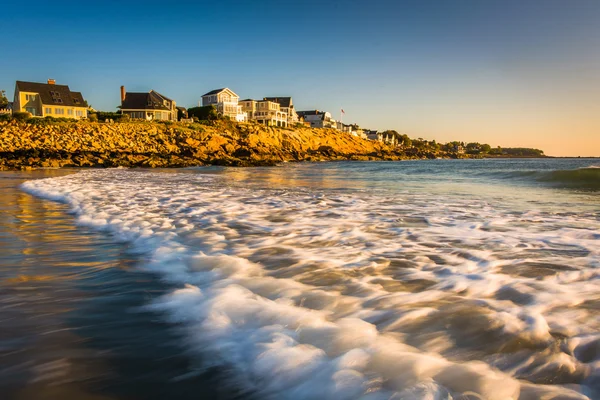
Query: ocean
(429,279)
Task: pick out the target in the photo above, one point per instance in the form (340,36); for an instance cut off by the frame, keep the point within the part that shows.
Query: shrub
(104,115)
(93,118)
(203,113)
(21,115)
(5,117)
(123,118)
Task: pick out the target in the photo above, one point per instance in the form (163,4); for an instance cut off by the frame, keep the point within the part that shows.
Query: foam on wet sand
(323,294)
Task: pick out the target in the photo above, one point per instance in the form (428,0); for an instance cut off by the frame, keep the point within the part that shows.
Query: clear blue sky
(505,72)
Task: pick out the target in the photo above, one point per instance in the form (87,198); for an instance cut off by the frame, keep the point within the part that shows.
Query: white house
(226,102)
(318,119)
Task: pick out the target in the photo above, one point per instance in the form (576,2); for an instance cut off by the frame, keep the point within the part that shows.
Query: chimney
(51,82)
(122,94)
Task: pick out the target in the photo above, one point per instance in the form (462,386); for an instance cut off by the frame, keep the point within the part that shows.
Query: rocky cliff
(146,144)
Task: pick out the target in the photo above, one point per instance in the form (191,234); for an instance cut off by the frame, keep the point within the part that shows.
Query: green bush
(5,117)
(21,115)
(203,113)
(123,118)
(93,118)
(104,115)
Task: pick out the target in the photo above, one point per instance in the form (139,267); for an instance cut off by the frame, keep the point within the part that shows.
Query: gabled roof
(144,101)
(217,91)
(311,112)
(248,100)
(283,101)
(53,94)
(164,97)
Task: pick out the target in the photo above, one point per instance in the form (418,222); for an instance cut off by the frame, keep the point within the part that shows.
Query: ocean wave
(586,178)
(309,294)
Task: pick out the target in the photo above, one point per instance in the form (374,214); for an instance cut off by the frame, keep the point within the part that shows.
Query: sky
(509,73)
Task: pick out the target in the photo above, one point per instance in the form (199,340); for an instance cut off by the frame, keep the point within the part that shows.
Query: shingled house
(287,106)
(148,106)
(264,112)
(49,99)
(226,102)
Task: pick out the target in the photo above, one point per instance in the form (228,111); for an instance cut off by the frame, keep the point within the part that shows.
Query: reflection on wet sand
(71,325)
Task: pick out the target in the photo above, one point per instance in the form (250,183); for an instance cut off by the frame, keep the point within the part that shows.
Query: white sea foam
(318,294)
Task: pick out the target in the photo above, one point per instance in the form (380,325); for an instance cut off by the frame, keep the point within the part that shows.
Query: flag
(343,112)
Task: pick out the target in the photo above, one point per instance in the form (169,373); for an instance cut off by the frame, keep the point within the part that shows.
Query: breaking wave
(587,178)
(306,294)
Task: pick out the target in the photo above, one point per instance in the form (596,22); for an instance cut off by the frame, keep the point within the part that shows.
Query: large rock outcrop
(145,144)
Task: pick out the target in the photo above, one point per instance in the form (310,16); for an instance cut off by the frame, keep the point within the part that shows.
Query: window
(157,115)
(59,111)
(31,110)
(70,112)
(56,97)
(48,110)
(30,97)
(79,113)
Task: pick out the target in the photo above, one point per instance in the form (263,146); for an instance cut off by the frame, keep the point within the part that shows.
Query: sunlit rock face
(145,144)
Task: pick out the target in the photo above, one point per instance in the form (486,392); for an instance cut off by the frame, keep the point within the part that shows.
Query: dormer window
(56,97)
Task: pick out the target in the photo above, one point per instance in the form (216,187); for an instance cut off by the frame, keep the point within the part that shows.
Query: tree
(204,113)
(406,142)
(3,99)
(485,148)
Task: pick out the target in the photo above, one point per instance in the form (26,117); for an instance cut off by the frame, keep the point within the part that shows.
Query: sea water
(439,279)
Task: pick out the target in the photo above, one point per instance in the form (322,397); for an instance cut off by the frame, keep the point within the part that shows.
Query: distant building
(182,113)
(8,109)
(148,106)
(371,134)
(318,119)
(49,99)
(287,106)
(265,112)
(226,102)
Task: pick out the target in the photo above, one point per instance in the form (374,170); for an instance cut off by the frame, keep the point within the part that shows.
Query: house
(318,119)
(287,106)
(265,112)
(371,134)
(148,106)
(49,100)
(226,102)
(182,112)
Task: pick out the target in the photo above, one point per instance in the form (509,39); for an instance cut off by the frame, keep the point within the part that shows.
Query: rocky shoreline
(154,145)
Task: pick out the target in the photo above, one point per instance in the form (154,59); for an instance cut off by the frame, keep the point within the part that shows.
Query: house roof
(310,112)
(248,100)
(144,101)
(318,113)
(164,97)
(53,94)
(216,91)
(283,101)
